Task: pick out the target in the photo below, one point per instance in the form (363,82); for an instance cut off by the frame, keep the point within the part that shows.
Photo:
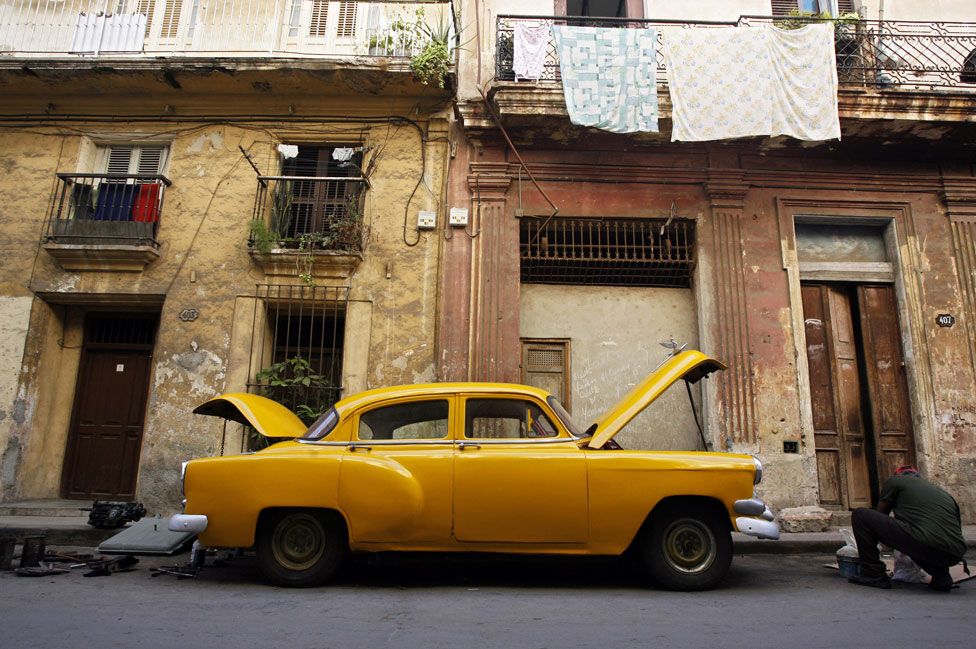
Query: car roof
(377,395)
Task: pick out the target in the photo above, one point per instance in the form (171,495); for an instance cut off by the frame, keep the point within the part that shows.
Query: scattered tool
(41,571)
(105,567)
(180,572)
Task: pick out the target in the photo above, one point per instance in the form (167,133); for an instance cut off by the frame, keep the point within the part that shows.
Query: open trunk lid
(267,417)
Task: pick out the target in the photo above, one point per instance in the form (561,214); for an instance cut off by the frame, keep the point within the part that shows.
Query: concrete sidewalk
(75,531)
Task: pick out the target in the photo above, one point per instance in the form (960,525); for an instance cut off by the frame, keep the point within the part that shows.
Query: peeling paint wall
(204,264)
(614,334)
(14,318)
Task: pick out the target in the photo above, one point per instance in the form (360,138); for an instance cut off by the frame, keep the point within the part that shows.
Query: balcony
(309,226)
(885,69)
(220,28)
(105,221)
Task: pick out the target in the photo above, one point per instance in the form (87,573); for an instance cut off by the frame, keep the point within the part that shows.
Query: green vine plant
(294,384)
(798,19)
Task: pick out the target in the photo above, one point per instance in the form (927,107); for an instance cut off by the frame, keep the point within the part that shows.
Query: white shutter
(118,160)
(150,160)
(171,19)
(134,159)
(320,18)
(347,19)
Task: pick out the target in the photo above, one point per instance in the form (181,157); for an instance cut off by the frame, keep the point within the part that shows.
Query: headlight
(758,477)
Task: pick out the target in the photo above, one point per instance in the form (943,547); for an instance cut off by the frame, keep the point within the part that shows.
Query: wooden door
(835,392)
(545,364)
(894,437)
(105,437)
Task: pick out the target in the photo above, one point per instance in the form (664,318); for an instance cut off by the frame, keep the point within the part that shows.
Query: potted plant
(381,44)
(432,64)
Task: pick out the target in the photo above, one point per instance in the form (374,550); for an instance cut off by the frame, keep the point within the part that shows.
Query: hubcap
(689,546)
(298,541)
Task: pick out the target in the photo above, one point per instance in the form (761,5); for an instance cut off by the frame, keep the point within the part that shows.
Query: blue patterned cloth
(609,77)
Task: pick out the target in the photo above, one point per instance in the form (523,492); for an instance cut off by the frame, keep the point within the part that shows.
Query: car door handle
(471,445)
(360,447)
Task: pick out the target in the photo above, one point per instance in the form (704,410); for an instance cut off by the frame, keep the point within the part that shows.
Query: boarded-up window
(545,365)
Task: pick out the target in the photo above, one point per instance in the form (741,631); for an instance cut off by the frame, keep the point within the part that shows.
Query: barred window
(607,252)
(296,347)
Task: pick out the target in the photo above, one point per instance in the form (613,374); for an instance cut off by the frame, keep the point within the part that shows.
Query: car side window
(506,419)
(405,421)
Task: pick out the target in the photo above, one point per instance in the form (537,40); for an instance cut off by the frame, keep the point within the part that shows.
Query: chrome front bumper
(195,523)
(758,520)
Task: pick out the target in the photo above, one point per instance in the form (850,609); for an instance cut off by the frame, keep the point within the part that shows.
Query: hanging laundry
(752,81)
(719,82)
(805,82)
(531,43)
(609,77)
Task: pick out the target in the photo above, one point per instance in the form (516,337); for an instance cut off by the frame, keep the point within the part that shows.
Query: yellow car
(471,467)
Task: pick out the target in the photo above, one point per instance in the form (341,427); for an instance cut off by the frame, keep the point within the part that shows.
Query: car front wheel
(688,550)
(300,548)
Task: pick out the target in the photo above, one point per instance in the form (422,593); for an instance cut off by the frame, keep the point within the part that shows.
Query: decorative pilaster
(728,324)
(959,195)
(494,335)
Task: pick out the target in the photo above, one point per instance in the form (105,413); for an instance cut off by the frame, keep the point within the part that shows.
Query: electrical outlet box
(459,216)
(426,220)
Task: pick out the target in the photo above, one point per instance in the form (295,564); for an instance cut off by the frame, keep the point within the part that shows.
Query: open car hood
(690,365)
(268,417)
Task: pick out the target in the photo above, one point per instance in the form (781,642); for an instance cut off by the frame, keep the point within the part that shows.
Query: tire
(298,548)
(687,548)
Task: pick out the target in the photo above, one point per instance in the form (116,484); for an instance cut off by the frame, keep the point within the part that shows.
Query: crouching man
(926,527)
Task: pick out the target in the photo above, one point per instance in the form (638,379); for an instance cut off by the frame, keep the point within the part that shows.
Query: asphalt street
(428,602)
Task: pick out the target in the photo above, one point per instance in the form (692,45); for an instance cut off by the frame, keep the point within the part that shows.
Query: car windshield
(565,417)
(322,426)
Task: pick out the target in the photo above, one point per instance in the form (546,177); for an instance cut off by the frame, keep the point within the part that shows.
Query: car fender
(381,498)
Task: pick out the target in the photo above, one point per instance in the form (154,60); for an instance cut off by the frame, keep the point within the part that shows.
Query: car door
(395,481)
(517,477)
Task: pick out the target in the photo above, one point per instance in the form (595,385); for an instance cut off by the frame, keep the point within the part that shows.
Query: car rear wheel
(300,548)
(687,550)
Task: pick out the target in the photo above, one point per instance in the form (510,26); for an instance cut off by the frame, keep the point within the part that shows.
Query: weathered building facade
(201,203)
(835,278)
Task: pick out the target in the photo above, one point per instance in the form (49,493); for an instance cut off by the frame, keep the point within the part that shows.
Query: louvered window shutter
(171,19)
(119,159)
(320,18)
(150,160)
(545,365)
(148,8)
(347,19)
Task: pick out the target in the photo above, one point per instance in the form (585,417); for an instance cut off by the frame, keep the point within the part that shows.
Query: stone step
(46,508)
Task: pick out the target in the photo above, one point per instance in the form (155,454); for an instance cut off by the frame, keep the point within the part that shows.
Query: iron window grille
(296,346)
(607,252)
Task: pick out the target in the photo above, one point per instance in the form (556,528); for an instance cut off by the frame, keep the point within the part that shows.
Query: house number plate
(945,320)
(189,315)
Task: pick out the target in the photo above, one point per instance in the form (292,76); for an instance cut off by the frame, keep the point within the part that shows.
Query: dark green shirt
(926,512)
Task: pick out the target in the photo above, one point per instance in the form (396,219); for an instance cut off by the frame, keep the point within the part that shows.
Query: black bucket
(33,551)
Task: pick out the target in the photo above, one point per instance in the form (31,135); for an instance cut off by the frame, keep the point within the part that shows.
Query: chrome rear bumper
(195,523)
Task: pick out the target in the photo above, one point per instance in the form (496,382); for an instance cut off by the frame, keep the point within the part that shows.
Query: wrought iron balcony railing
(174,28)
(310,213)
(107,209)
(884,54)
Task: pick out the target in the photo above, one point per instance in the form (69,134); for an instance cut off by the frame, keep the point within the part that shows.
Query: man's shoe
(941,582)
(875,581)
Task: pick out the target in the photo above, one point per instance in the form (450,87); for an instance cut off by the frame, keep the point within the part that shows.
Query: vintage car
(471,467)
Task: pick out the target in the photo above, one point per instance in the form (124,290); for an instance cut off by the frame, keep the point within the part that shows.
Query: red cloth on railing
(146,207)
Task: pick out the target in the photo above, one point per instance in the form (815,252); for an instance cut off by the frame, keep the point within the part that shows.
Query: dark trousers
(871,526)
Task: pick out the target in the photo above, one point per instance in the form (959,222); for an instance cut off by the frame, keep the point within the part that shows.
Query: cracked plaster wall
(204,265)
